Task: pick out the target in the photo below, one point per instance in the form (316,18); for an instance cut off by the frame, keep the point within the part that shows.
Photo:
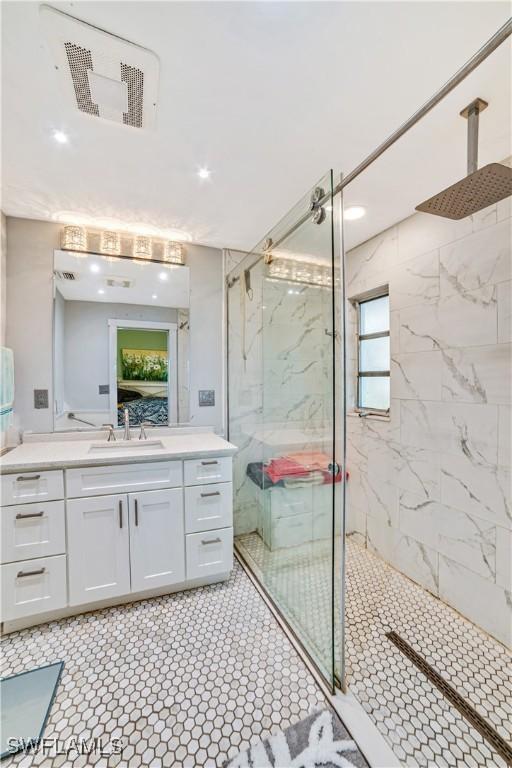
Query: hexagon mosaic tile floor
(183,680)
(421,726)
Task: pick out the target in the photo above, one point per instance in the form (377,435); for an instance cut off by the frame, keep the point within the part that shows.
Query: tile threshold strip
(466,710)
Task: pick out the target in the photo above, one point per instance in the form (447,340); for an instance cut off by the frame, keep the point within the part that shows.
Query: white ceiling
(149,284)
(268,96)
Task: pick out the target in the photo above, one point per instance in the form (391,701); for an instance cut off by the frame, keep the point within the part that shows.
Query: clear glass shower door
(282,415)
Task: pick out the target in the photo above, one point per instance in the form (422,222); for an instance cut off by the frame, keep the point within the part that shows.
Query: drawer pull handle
(24,478)
(212,493)
(120,513)
(20,516)
(209,463)
(211,541)
(39,571)
(136,512)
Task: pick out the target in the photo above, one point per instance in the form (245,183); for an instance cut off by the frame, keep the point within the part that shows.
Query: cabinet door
(157,539)
(98,548)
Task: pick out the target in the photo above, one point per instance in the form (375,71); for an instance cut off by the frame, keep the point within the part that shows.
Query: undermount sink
(122,445)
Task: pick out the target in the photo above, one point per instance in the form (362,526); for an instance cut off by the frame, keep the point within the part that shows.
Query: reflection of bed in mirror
(146,401)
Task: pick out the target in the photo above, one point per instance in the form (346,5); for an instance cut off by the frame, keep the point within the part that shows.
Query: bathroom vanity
(87,523)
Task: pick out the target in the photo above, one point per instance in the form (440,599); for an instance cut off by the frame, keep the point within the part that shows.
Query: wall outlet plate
(206,397)
(103,389)
(40,398)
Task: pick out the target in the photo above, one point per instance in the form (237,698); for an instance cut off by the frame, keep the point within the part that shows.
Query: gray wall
(86,353)
(30,320)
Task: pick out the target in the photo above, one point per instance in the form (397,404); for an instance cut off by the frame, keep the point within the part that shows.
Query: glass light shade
(142,247)
(174,252)
(110,243)
(74,238)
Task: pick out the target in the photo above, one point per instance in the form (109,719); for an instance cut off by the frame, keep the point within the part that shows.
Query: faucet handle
(111,433)
(143,424)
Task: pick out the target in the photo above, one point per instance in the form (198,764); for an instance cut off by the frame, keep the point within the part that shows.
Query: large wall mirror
(121,338)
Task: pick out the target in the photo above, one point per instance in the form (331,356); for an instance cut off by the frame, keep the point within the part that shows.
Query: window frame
(364,337)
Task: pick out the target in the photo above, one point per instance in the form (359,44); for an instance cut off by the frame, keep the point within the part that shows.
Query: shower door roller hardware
(316,195)
(334,468)
(319,215)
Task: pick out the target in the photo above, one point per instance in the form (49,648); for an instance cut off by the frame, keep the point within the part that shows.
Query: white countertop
(59,454)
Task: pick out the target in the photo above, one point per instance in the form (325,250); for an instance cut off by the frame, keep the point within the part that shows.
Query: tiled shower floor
(422,727)
(183,680)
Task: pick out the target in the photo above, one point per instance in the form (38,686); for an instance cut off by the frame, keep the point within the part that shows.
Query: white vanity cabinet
(88,536)
(157,543)
(98,548)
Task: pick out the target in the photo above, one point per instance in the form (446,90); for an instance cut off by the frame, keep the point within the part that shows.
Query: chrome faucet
(143,435)
(126,435)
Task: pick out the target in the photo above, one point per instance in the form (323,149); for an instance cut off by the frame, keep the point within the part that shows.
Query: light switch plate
(40,398)
(103,389)
(206,397)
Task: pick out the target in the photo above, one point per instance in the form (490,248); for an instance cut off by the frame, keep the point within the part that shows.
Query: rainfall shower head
(480,188)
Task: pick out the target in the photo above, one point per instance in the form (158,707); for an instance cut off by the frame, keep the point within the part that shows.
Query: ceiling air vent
(64,275)
(118,282)
(102,74)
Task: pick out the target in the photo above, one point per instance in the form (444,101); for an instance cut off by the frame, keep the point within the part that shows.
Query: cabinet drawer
(24,487)
(33,587)
(123,478)
(209,554)
(32,530)
(208,506)
(199,471)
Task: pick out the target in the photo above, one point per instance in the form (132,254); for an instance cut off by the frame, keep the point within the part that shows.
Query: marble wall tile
(504,312)
(468,540)
(419,329)
(504,558)
(485,218)
(477,260)
(419,471)
(483,602)
(355,520)
(480,489)
(416,560)
(477,374)
(468,319)
(504,436)
(415,281)
(381,462)
(416,376)
(419,518)
(380,538)
(375,255)
(421,233)
(381,500)
(504,209)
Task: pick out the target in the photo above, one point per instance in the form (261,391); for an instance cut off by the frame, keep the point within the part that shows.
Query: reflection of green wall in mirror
(139,338)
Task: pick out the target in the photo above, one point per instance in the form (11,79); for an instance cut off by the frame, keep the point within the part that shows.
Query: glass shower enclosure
(285,357)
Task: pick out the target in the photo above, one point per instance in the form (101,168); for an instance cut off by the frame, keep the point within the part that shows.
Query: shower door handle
(334,468)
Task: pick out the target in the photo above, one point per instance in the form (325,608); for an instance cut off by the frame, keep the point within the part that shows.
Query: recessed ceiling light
(60,137)
(204,173)
(154,296)
(100,290)
(354,212)
(95,268)
(163,275)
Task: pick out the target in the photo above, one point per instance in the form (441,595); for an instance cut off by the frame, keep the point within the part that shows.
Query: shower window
(373,354)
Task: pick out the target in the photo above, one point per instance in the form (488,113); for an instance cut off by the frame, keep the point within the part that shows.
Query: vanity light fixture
(354,212)
(110,243)
(173,252)
(142,247)
(74,238)
(60,137)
